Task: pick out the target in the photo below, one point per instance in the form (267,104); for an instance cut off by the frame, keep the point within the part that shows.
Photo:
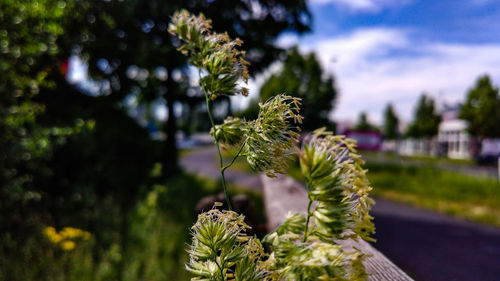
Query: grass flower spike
(272,136)
(268,141)
(221,249)
(337,182)
(220,64)
(304,247)
(231,132)
(214,54)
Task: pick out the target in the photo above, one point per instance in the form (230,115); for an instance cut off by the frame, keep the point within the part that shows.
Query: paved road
(205,162)
(428,246)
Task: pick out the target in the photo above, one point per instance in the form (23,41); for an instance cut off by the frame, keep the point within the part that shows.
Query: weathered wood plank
(284,194)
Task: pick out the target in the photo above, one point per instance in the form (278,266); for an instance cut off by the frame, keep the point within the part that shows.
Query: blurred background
(104,145)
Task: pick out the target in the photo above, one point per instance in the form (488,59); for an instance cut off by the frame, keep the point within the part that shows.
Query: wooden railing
(284,194)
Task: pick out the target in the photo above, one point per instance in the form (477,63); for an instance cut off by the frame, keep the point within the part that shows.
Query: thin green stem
(218,265)
(220,269)
(309,214)
(221,163)
(236,156)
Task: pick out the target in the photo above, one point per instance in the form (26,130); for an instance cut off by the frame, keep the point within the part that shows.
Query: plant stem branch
(220,269)
(309,214)
(236,156)
(221,163)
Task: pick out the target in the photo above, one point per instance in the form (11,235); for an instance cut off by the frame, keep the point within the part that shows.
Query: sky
(383,51)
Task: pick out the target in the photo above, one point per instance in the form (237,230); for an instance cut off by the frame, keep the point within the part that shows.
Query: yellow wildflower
(66,238)
(68,245)
(70,232)
(52,235)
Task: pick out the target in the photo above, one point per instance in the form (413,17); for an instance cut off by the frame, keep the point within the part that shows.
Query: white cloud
(287,40)
(380,65)
(362,5)
(353,4)
(376,66)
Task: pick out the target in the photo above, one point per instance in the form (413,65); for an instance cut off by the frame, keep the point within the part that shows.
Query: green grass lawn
(475,199)
(431,160)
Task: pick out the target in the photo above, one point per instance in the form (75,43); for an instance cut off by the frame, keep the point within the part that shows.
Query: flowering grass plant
(305,246)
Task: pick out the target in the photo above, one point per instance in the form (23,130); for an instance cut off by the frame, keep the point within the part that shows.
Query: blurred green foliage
(60,160)
(28,57)
(28,48)
(475,199)
(364,125)
(482,109)
(426,121)
(127,47)
(154,247)
(70,155)
(391,123)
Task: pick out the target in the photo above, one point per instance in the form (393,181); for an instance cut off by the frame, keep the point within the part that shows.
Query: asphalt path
(426,245)
(204,162)
(430,246)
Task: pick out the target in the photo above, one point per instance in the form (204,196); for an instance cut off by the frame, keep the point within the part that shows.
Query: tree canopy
(363,123)
(28,58)
(426,121)
(126,45)
(70,155)
(391,123)
(302,76)
(482,109)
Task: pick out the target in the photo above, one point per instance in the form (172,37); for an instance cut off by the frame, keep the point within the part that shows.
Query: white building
(453,139)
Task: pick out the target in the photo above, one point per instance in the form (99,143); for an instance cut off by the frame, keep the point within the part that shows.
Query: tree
(69,155)
(124,38)
(29,57)
(426,123)
(129,52)
(302,76)
(482,109)
(364,124)
(391,123)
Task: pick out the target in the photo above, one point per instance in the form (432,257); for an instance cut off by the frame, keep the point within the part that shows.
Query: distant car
(490,151)
(487,159)
(367,140)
